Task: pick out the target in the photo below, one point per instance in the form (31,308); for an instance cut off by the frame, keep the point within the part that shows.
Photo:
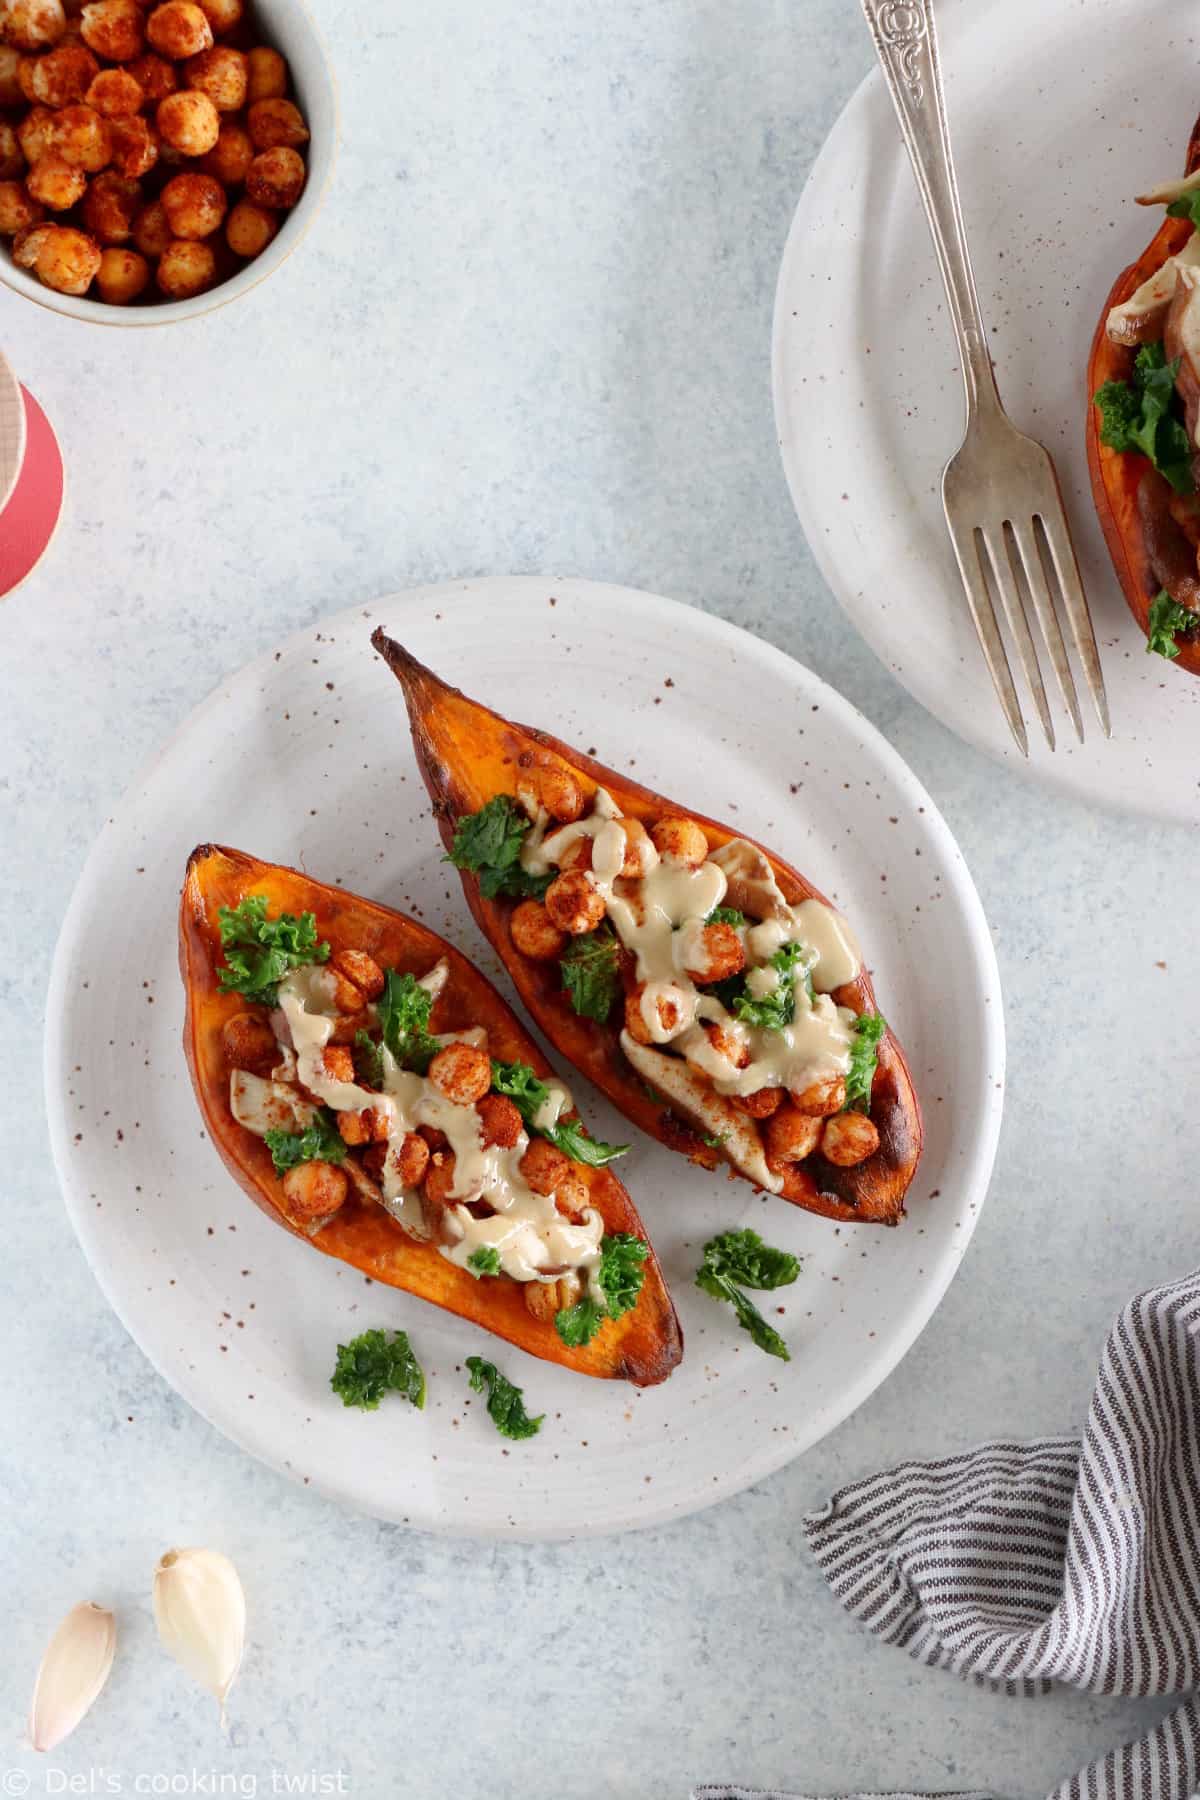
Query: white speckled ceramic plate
(304,758)
(1060,114)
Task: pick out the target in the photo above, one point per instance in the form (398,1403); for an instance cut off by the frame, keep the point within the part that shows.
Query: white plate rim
(976,1164)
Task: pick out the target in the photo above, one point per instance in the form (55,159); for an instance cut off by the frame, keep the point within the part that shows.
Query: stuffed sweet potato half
(372,1092)
(1144,382)
(705,986)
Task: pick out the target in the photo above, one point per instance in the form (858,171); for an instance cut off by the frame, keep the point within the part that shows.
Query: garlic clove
(74,1670)
(200,1611)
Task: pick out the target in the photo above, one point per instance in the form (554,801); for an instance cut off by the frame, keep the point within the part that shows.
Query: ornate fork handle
(906,43)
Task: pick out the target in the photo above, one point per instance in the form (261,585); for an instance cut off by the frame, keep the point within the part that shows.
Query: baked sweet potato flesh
(467,754)
(643,1346)
(1128,491)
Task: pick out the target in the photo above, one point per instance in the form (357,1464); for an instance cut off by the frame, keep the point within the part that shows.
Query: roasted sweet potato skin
(642,1347)
(466,754)
(1116,475)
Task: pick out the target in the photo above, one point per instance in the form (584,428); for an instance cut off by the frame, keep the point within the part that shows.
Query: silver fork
(1001,496)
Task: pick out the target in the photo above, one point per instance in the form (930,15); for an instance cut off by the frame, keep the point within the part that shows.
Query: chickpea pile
(147,151)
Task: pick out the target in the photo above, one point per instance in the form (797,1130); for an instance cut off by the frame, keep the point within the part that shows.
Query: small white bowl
(287,27)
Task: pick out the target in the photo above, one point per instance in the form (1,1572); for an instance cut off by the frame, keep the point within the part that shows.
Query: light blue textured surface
(531,332)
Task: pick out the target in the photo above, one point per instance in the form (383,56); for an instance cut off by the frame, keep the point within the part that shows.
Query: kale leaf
(484,1261)
(1168,622)
(403,1009)
(529,1093)
(1143,415)
(259,951)
(868,1031)
(318,1142)
(370,1366)
(590,973)
(488,844)
(505,1403)
(620,1277)
(741,1256)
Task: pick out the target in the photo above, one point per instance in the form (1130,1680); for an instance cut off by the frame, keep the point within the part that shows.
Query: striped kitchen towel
(1023,1565)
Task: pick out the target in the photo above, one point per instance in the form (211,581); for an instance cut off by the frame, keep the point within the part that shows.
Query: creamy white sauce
(826,932)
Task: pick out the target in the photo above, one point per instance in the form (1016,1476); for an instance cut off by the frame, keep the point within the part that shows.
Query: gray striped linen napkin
(1023,1565)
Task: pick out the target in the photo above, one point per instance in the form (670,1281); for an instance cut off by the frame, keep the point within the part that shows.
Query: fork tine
(1062,554)
(1018,624)
(966,554)
(1035,577)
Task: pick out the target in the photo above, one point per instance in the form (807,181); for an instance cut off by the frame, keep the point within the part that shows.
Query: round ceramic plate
(304,758)
(1059,115)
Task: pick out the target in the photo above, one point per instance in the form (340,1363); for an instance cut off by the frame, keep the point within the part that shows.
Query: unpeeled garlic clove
(200,1611)
(74,1669)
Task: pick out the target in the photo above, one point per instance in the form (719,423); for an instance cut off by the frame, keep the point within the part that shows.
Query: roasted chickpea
(17,211)
(726,1043)
(354,1127)
(188,122)
(531,928)
(34,133)
(134,147)
(12,157)
(82,137)
(230,156)
(789,1136)
(462,1073)
(151,233)
(821,1098)
(314,1190)
(680,841)
(195,206)
(221,74)
(268,74)
(155,76)
(337,1062)
(178,29)
(572,1197)
(544,1300)
(760,1105)
(544,1165)
(222,15)
(716,954)
(110,207)
(577,855)
(439,1180)
(354,965)
(274,122)
(546,784)
(123,276)
(670,1016)
(115,94)
(848,1139)
(248,1042)
(500,1120)
(276,178)
(250,228)
(640,854)
(61,257)
(411,1159)
(56,182)
(33,24)
(11,92)
(114,29)
(572,902)
(437,1140)
(61,77)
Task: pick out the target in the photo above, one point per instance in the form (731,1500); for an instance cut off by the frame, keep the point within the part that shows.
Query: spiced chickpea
(276,178)
(12,157)
(267,72)
(354,1128)
(110,206)
(221,74)
(670,1016)
(848,1139)
(314,1190)
(114,29)
(248,1042)
(499,1120)
(230,156)
(11,60)
(178,29)
(185,268)
(17,211)
(411,1159)
(726,1043)
(33,24)
(572,1196)
(195,207)
(573,903)
(462,1073)
(61,77)
(789,1136)
(34,133)
(222,15)
(717,953)
(640,854)
(437,1140)
(115,94)
(356,965)
(576,856)
(544,1300)
(55,182)
(547,784)
(822,1098)
(531,928)
(438,1183)
(151,233)
(135,147)
(188,122)
(760,1105)
(249,228)
(544,1165)
(154,75)
(82,137)
(61,257)
(680,841)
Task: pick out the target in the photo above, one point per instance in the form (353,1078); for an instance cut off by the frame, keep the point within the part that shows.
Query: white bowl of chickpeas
(157,157)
